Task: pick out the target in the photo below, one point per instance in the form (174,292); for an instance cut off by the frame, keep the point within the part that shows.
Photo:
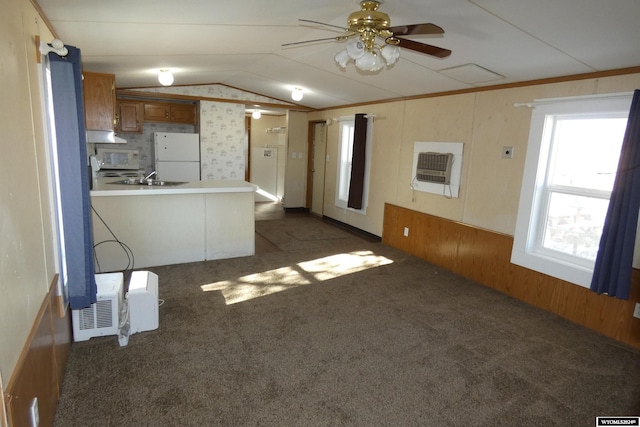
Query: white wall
(27,265)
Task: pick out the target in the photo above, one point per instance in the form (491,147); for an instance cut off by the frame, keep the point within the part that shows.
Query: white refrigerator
(177,156)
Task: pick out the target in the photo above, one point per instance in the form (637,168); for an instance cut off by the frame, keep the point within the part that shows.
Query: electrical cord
(127,250)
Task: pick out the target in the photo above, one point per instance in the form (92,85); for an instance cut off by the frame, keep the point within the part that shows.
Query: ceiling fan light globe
(342,58)
(366,62)
(390,54)
(378,63)
(355,48)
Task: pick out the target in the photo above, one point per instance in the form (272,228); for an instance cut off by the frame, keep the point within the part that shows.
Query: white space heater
(102,317)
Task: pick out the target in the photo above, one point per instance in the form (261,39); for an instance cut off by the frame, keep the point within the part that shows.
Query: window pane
(346,154)
(587,151)
(574,224)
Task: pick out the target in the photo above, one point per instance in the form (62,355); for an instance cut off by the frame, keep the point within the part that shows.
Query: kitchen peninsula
(171,224)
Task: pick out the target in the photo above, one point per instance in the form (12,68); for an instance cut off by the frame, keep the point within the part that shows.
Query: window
(572,157)
(347,127)
(345,163)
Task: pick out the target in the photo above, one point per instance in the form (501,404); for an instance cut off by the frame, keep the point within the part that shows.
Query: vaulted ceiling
(239,43)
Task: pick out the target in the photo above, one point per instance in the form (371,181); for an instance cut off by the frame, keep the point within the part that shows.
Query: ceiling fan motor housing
(368,17)
(369,22)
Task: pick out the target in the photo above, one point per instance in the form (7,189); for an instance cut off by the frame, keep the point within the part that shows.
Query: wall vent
(103,316)
(434,167)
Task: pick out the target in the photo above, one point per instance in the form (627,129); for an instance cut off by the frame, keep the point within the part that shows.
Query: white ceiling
(238,43)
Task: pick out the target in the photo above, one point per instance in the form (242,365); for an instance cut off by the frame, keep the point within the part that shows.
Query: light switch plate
(636,312)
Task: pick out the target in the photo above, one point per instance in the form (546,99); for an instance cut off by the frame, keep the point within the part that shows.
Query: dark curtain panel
(73,176)
(614,263)
(358,162)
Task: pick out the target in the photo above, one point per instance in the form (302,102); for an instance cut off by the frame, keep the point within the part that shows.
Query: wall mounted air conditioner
(102,317)
(434,167)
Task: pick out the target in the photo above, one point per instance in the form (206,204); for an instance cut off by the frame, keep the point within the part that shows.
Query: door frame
(310,163)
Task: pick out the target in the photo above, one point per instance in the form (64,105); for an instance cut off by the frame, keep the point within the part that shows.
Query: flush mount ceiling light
(296,94)
(165,78)
(256,114)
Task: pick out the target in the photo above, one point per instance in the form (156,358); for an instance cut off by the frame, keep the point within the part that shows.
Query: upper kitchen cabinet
(99,100)
(173,112)
(129,116)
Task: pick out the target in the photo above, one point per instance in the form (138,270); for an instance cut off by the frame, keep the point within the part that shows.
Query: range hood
(104,137)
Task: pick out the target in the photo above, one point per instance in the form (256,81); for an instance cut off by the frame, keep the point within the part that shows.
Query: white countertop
(102,187)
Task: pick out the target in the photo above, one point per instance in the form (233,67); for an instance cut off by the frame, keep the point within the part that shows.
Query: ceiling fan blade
(423,48)
(322,23)
(410,30)
(313,41)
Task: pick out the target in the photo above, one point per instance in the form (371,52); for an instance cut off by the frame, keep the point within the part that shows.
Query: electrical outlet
(35,414)
(406,232)
(507,152)
(636,312)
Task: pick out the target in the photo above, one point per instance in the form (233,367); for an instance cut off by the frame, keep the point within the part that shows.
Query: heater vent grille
(434,167)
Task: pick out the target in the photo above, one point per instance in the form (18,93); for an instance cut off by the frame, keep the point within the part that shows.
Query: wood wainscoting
(484,256)
(41,366)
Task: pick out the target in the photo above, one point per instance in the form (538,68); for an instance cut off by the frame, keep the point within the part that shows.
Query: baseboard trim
(296,210)
(354,230)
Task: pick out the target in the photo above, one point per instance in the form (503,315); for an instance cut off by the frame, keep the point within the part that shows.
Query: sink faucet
(149,176)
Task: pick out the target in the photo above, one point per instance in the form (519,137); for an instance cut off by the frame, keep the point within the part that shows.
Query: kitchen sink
(148,182)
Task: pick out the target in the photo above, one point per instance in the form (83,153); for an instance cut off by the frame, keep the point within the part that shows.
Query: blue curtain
(73,176)
(614,263)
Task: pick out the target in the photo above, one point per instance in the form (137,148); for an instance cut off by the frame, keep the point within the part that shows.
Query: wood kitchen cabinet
(129,116)
(99,91)
(170,112)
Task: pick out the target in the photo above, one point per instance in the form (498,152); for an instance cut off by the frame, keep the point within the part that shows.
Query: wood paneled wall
(484,256)
(40,370)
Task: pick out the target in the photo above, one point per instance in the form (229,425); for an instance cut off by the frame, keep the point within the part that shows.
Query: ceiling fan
(372,42)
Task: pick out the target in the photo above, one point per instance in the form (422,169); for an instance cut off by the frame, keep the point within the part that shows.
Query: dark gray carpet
(375,338)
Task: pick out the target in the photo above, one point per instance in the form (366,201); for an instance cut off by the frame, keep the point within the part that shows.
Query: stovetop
(120,173)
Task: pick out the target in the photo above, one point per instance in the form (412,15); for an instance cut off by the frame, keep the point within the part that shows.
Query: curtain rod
(56,46)
(333,120)
(546,101)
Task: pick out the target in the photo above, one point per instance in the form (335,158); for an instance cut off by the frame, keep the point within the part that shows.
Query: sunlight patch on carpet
(304,273)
